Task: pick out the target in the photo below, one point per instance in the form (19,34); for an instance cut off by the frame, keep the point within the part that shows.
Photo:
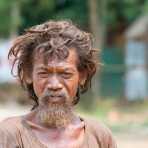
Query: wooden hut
(136,59)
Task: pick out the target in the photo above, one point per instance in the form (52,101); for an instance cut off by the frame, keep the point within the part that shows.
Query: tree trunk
(15,18)
(146,42)
(95,26)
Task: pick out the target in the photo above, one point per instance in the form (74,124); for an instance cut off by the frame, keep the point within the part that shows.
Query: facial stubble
(56,115)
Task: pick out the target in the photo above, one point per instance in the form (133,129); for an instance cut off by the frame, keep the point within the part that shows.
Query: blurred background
(119,93)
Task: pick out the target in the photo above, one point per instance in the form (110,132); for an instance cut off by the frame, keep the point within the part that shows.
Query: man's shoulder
(10,132)
(15,119)
(100,131)
(96,125)
(10,124)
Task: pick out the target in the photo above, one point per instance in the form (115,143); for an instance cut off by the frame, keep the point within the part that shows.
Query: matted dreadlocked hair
(55,38)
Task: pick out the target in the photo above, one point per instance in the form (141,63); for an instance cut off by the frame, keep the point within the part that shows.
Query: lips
(55,99)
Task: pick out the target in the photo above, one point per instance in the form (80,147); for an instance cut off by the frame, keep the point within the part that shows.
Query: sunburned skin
(64,128)
(55,64)
(71,136)
(56,75)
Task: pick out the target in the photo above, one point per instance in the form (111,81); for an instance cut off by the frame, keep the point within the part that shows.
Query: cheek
(38,86)
(73,85)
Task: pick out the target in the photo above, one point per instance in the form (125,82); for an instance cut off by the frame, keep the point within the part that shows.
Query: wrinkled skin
(55,84)
(57,76)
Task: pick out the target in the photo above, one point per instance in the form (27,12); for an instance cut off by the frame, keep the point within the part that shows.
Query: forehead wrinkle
(54,68)
(68,63)
(60,68)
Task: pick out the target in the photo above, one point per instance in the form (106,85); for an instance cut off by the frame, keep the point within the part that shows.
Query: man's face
(57,78)
(55,84)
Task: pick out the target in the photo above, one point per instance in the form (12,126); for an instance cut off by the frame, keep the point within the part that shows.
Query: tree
(5,18)
(35,12)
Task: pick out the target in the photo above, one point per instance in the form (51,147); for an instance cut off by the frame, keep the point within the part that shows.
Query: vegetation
(106,19)
(19,14)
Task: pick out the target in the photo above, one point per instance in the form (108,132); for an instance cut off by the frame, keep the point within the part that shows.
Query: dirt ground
(124,139)
(131,141)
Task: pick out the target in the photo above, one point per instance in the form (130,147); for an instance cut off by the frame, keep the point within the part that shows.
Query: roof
(139,29)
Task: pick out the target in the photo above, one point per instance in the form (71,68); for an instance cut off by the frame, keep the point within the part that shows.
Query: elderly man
(55,63)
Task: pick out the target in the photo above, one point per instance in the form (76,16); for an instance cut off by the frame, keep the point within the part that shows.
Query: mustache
(50,94)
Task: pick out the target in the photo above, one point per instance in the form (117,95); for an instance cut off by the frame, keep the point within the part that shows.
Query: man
(55,63)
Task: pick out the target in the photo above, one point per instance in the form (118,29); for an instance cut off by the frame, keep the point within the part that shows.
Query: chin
(56,115)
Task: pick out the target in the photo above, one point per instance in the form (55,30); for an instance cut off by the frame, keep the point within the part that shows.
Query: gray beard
(55,115)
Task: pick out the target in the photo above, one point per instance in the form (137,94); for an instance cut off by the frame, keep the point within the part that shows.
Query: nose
(54,84)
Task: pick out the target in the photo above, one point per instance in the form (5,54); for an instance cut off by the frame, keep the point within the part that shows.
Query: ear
(28,79)
(82,77)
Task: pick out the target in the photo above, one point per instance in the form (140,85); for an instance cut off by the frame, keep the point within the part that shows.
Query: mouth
(55,99)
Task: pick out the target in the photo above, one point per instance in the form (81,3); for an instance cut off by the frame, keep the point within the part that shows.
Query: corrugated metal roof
(139,29)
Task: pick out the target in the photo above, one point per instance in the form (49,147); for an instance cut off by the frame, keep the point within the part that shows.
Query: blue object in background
(5,69)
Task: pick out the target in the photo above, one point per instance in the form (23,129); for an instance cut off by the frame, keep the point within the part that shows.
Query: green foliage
(75,11)
(124,10)
(145,7)
(5,17)
(35,12)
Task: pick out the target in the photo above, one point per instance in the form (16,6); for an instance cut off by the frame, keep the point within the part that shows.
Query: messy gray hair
(56,38)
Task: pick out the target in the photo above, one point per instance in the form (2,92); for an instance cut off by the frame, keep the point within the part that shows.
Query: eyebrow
(59,68)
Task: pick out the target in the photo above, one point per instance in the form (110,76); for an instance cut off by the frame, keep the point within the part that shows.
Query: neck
(43,118)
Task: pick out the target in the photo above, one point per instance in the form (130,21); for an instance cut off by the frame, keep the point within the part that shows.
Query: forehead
(70,61)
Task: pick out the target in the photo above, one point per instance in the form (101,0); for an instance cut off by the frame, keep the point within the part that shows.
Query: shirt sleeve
(8,136)
(108,140)
(111,141)
(102,135)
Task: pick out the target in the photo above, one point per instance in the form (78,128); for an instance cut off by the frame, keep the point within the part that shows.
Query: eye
(43,74)
(66,75)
